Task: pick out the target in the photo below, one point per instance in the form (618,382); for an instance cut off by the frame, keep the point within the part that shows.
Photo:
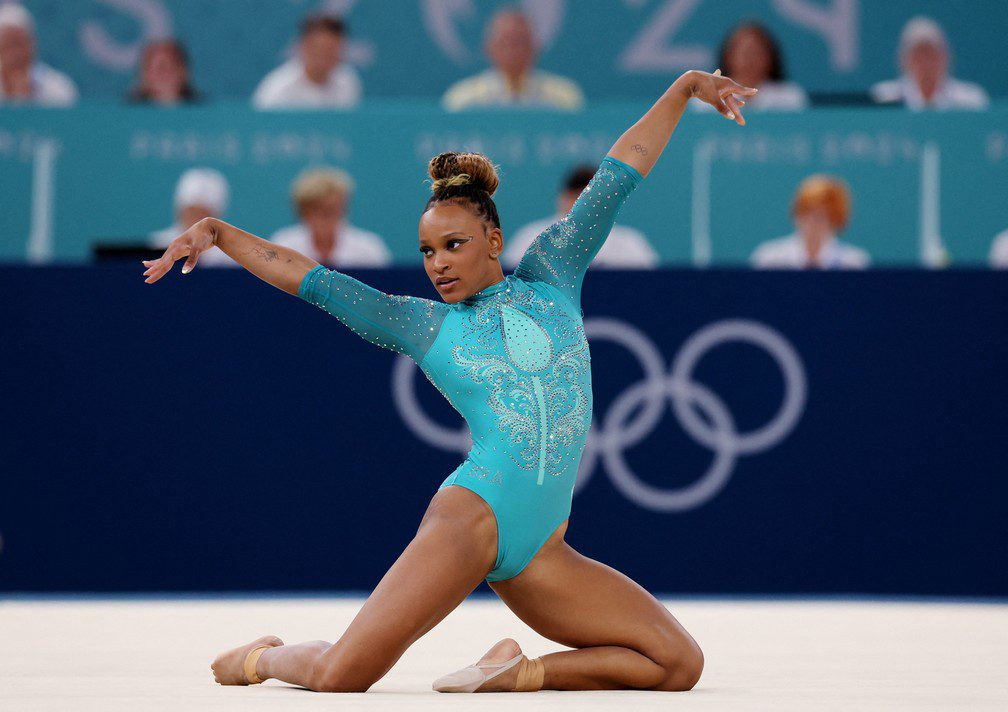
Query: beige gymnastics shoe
(528,677)
(470,679)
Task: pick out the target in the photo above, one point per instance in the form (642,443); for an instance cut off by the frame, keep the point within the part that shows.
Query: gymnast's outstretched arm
(642,144)
(402,324)
(282,267)
(560,255)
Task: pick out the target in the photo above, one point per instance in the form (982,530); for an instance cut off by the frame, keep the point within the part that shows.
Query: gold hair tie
(459,179)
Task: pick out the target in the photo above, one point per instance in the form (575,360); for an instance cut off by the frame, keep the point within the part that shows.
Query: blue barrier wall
(825,433)
(70,178)
(614,48)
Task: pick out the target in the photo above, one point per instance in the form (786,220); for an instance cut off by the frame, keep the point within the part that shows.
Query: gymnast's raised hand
(723,93)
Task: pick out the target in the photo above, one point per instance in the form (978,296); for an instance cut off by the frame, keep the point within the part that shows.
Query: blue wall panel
(208,433)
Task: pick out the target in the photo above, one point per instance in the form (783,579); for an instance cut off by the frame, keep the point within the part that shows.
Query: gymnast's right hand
(192,243)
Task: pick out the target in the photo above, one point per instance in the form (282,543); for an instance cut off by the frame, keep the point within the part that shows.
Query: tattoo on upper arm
(639,149)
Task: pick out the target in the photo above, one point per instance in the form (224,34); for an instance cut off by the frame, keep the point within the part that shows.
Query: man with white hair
(200,193)
(22,78)
(513,80)
(924,57)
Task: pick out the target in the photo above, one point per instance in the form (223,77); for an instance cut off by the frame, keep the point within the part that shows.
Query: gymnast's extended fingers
(162,265)
(718,99)
(735,106)
(191,262)
(727,85)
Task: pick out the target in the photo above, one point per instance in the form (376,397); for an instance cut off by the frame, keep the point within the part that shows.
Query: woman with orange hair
(821,209)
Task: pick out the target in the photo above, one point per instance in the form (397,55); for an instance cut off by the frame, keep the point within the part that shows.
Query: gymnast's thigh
(452,552)
(579,602)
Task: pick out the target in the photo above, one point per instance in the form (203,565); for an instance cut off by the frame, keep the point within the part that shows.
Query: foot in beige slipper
(504,668)
(233,667)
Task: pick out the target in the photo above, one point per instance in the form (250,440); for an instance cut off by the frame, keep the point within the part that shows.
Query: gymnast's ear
(495,240)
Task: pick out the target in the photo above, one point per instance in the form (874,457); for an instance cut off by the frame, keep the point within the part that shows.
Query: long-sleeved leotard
(512,359)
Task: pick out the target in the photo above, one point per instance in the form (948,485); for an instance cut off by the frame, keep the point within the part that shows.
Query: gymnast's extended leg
(625,637)
(454,549)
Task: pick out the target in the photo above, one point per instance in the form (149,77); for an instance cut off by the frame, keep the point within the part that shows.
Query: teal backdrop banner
(415,48)
(927,189)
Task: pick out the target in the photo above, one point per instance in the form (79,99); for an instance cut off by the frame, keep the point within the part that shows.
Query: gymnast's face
(461,253)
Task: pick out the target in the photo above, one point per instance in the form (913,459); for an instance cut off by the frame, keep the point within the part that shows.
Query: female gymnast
(509,353)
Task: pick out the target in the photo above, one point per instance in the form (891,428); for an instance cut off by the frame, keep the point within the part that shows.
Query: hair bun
(451,169)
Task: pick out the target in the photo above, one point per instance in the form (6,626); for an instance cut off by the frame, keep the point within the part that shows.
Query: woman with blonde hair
(321,198)
(510,354)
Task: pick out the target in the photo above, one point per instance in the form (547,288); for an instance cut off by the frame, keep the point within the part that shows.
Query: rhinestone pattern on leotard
(532,358)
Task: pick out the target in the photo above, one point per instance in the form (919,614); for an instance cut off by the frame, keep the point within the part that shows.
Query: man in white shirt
(200,193)
(820,211)
(321,198)
(22,78)
(513,80)
(625,248)
(316,78)
(999,251)
(925,83)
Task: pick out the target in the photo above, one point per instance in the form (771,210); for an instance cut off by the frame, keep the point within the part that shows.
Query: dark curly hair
(468,179)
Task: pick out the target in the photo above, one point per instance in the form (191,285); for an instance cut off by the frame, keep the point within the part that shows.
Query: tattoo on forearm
(640,149)
(266,253)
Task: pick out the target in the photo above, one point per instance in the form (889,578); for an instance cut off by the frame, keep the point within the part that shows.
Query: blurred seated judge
(164,75)
(924,57)
(821,210)
(513,80)
(23,79)
(317,78)
(321,198)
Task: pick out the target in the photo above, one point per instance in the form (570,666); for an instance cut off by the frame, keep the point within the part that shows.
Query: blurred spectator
(751,56)
(820,211)
(625,248)
(321,198)
(924,57)
(22,78)
(999,251)
(317,77)
(164,75)
(200,193)
(513,80)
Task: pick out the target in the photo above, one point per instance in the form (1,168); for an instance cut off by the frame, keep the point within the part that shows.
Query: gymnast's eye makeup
(452,245)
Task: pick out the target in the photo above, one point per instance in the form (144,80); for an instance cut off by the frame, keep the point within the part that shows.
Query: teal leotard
(512,359)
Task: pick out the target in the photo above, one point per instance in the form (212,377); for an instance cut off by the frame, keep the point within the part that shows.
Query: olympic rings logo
(701,413)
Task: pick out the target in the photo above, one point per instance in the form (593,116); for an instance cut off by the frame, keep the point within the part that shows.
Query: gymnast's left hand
(192,243)
(723,93)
